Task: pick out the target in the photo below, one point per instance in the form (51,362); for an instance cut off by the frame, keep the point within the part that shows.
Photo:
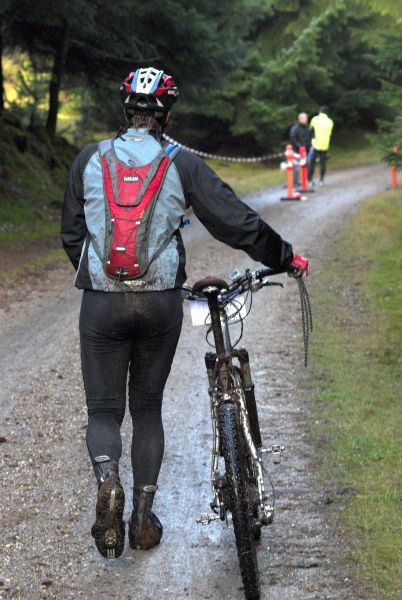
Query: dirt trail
(47,487)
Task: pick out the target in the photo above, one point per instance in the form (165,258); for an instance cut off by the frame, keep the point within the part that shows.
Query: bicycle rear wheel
(236,497)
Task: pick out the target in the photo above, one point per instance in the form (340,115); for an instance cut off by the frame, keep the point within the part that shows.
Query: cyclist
(321,126)
(300,135)
(130,323)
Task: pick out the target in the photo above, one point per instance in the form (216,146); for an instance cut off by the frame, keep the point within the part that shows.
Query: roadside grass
(29,267)
(353,148)
(350,149)
(358,407)
(19,225)
(245,178)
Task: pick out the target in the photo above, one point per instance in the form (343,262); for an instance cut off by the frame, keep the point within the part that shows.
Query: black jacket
(218,208)
(300,135)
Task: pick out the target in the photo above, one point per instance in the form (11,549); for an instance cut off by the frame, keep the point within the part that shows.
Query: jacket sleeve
(73,226)
(226,217)
(312,128)
(294,137)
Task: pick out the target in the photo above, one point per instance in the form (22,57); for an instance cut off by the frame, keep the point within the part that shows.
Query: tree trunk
(55,82)
(1,75)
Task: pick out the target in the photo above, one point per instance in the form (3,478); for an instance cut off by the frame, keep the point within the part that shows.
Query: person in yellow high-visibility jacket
(321,126)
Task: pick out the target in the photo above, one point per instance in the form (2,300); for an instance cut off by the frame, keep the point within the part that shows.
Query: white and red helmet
(149,91)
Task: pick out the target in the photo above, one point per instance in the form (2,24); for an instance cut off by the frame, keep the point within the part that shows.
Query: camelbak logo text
(130,178)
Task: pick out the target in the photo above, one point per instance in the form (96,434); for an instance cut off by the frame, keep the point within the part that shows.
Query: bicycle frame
(227,384)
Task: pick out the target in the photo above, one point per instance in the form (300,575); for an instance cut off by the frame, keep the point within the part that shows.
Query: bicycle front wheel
(236,486)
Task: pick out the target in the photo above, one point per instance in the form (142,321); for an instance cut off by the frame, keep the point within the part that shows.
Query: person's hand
(298,267)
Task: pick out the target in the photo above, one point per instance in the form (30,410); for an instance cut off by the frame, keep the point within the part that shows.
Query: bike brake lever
(267,283)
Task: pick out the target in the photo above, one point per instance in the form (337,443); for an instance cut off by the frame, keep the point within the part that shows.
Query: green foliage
(33,175)
(387,7)
(199,42)
(390,142)
(357,361)
(244,67)
(31,87)
(300,55)
(389,61)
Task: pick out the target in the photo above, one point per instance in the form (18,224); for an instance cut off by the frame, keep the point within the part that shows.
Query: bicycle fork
(216,478)
(251,431)
(248,387)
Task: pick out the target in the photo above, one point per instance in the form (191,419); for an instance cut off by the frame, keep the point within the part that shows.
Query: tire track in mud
(47,488)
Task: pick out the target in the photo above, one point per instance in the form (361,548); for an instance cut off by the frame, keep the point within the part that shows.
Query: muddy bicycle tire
(231,446)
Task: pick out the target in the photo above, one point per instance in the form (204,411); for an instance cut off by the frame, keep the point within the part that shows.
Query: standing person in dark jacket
(300,135)
(131,312)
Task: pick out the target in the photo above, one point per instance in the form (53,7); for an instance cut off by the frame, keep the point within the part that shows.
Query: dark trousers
(128,335)
(322,155)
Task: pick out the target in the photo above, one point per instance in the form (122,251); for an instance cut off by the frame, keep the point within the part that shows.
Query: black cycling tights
(322,155)
(128,334)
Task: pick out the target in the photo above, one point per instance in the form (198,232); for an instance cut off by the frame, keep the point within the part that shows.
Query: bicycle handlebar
(244,282)
(251,277)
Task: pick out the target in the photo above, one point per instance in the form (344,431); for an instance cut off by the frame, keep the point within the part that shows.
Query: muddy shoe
(145,530)
(108,529)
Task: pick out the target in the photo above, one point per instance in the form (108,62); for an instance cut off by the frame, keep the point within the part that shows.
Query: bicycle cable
(237,304)
(236,317)
(307,316)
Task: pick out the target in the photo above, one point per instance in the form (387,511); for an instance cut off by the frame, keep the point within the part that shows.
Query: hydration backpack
(130,197)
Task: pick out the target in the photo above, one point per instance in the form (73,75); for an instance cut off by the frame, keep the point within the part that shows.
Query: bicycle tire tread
(245,542)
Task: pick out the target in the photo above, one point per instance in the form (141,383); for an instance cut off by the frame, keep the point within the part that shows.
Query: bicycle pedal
(207,519)
(276,451)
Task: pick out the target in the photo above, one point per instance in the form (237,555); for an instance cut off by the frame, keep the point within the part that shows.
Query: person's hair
(140,120)
(302,114)
(324,109)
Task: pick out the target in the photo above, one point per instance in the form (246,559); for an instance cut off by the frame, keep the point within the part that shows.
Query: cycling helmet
(148,91)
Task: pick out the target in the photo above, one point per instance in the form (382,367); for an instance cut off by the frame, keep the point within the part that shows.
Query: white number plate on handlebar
(199,311)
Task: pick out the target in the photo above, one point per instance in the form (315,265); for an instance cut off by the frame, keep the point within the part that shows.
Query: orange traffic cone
(394,180)
(303,172)
(292,195)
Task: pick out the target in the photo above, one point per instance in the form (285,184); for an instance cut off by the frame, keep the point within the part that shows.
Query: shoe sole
(109,530)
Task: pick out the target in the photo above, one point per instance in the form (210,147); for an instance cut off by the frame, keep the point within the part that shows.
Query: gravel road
(47,487)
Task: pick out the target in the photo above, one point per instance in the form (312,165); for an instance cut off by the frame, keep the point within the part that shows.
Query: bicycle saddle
(210,281)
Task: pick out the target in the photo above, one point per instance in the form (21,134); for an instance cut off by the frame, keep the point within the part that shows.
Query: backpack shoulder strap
(169,153)
(104,146)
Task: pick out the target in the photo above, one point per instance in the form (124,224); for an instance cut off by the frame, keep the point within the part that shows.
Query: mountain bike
(237,474)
